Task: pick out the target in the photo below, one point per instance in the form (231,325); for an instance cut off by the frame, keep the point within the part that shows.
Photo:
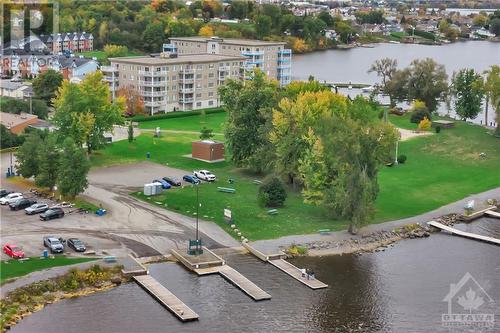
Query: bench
(324,231)
(109,259)
(272,211)
(226,189)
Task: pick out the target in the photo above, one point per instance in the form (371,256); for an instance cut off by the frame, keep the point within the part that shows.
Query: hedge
(424,34)
(177,114)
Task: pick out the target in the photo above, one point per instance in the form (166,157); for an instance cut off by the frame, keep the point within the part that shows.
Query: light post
(396,155)
(197,211)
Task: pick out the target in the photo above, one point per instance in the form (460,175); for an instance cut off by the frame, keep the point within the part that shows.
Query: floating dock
(477,214)
(248,287)
(166,298)
(277,261)
(132,267)
(492,214)
(296,273)
(464,233)
(210,263)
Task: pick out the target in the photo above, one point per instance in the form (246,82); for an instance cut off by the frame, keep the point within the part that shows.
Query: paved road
(273,245)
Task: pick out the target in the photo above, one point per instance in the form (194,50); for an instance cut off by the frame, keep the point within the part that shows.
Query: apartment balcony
(254,62)
(252,53)
(285,52)
(224,68)
(108,78)
(152,83)
(154,104)
(284,66)
(153,93)
(153,73)
(187,71)
(109,69)
(284,59)
(186,100)
(186,90)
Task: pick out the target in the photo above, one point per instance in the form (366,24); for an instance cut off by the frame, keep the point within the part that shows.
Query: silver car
(53,244)
(36,208)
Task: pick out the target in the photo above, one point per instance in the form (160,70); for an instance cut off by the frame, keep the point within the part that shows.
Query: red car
(13,251)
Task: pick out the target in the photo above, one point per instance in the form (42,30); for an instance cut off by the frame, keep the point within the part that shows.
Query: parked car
(21,204)
(191,179)
(10,198)
(163,183)
(76,244)
(3,193)
(204,175)
(36,208)
(13,251)
(172,181)
(54,245)
(52,213)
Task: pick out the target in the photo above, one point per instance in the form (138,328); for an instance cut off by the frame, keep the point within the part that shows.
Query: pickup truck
(204,175)
(53,244)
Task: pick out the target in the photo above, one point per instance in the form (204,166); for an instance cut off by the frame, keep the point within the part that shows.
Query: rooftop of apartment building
(232,41)
(181,59)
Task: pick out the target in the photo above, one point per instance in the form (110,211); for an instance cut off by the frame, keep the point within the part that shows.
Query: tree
(85,111)
(48,161)
(425,124)
(27,156)
(249,106)
(293,124)
(345,31)
(153,37)
(180,28)
(419,111)
(206,133)
(130,132)
(206,31)
(468,92)
(134,102)
(495,26)
(263,25)
(8,139)
(427,81)
(46,84)
(340,169)
(480,20)
(14,105)
(327,18)
(385,68)
(272,193)
(73,169)
(115,50)
(238,10)
(492,91)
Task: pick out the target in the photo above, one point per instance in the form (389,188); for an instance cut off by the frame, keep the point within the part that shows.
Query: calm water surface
(399,290)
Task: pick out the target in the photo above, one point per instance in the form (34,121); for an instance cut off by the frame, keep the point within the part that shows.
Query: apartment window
(211,75)
(158,69)
(198,104)
(210,84)
(174,88)
(211,94)
(210,103)
(211,66)
(166,68)
(174,78)
(198,95)
(198,76)
(199,67)
(198,85)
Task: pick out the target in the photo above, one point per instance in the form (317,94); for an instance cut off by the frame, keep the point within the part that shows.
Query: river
(398,290)
(352,65)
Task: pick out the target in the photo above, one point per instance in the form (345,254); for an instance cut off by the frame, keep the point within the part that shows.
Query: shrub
(296,250)
(419,111)
(401,159)
(272,193)
(438,129)
(176,114)
(425,124)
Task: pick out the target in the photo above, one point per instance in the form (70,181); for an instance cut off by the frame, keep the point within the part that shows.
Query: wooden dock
(250,288)
(477,214)
(166,298)
(492,214)
(132,267)
(277,261)
(464,233)
(296,273)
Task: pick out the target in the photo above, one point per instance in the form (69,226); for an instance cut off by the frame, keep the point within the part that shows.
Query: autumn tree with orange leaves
(134,102)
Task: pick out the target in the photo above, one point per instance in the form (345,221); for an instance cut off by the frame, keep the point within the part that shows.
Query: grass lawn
(15,268)
(214,121)
(440,169)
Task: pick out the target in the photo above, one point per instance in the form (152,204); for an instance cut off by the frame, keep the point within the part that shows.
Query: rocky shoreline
(376,241)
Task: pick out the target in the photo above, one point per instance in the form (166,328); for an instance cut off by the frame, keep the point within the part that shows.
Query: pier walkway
(464,233)
(492,214)
(248,287)
(166,298)
(276,259)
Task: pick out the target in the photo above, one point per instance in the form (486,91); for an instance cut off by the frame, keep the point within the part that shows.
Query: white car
(204,175)
(36,208)
(10,198)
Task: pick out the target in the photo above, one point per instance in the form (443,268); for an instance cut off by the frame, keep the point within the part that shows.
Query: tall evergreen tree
(48,157)
(27,156)
(468,92)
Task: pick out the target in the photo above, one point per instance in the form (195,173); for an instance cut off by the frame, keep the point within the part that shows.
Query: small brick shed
(208,150)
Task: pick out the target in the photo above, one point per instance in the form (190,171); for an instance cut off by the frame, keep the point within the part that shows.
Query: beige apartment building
(168,82)
(271,57)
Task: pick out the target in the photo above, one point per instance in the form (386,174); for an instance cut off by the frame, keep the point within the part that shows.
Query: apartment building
(173,83)
(271,57)
(69,42)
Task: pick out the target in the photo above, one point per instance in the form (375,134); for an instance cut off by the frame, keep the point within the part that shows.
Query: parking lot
(130,226)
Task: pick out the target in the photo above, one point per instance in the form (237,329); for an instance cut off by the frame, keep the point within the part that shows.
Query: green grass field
(15,268)
(441,168)
(214,121)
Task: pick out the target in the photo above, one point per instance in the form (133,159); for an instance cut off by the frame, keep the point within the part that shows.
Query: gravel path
(273,245)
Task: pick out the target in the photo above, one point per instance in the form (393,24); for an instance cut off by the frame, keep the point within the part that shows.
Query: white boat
(394,42)
(368,89)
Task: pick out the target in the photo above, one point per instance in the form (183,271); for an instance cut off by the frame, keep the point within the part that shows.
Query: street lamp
(197,211)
